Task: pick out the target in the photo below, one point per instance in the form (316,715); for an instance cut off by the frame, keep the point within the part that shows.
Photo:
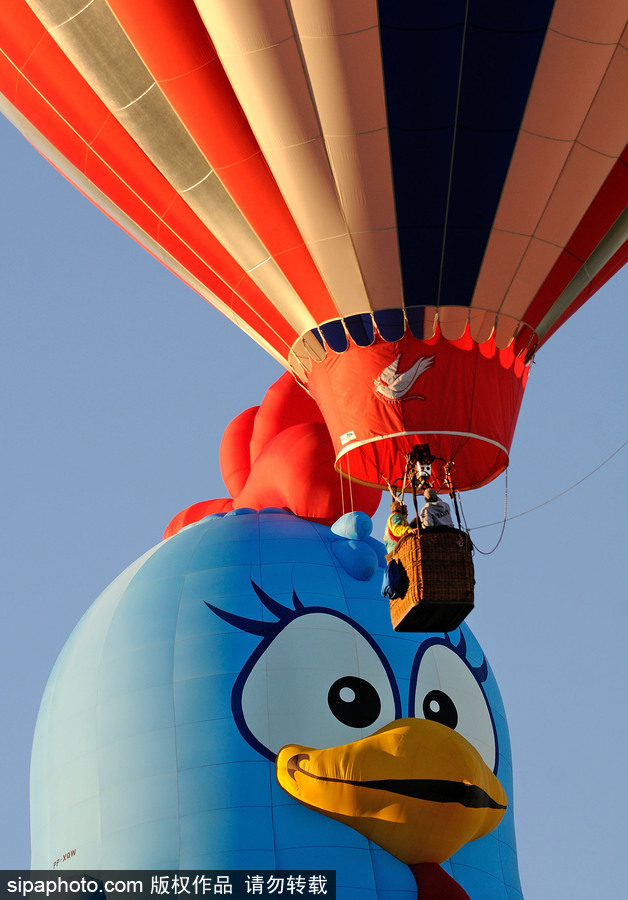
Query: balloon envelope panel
(352,177)
(353,167)
(155,743)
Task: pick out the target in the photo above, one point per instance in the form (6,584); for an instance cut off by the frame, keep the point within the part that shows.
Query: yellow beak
(415,787)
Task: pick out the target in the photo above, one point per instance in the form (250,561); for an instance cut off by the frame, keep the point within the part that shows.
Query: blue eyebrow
(480,672)
(257,626)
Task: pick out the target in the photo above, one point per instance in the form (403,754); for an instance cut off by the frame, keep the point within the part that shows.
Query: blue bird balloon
(237,699)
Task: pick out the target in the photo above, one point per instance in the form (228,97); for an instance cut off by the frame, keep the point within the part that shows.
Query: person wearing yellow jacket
(396,525)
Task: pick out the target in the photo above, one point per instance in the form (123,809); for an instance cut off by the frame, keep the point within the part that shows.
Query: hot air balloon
(400,203)
(174,730)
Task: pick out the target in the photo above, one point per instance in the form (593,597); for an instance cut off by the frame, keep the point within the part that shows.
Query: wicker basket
(439,567)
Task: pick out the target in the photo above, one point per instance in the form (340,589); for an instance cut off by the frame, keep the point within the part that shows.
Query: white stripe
(196,184)
(262,263)
(129,105)
(398,434)
(78,13)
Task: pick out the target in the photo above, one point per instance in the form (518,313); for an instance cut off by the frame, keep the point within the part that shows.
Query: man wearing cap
(435,513)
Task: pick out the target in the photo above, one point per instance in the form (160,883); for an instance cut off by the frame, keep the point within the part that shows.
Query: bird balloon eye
(439,707)
(447,691)
(354,701)
(303,686)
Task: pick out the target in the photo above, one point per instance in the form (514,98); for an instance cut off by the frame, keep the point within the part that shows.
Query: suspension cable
(503,523)
(342,491)
(350,483)
(556,496)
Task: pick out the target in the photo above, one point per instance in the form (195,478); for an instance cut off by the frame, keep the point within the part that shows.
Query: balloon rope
(556,496)
(350,483)
(505,519)
(342,491)
(388,485)
(368,451)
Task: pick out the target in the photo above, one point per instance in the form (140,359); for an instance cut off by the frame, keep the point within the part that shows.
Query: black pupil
(439,707)
(354,701)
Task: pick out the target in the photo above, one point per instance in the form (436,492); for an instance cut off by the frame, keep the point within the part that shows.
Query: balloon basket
(439,567)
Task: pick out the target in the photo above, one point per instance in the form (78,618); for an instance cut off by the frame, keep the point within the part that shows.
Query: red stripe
(611,268)
(178,51)
(599,218)
(26,42)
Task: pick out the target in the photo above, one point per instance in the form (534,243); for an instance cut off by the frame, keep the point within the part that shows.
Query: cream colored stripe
(340,46)
(268,66)
(94,41)
(81,181)
(559,130)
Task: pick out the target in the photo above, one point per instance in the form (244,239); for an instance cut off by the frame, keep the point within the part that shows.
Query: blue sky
(117,383)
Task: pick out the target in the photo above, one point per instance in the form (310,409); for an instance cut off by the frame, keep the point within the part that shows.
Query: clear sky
(117,382)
